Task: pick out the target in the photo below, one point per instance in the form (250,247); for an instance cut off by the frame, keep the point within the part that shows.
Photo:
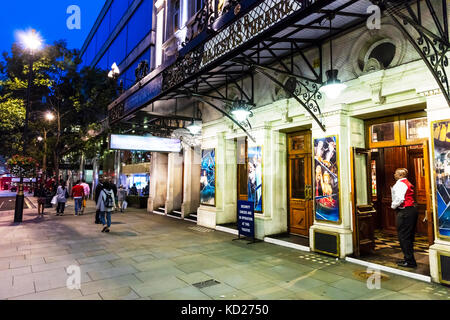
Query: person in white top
(403,202)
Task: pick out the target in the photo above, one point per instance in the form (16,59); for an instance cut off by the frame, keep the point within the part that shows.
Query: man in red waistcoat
(403,203)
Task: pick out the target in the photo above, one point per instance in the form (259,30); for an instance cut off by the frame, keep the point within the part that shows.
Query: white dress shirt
(398,192)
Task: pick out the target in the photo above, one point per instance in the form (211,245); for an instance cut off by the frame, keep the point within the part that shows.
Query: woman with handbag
(61,196)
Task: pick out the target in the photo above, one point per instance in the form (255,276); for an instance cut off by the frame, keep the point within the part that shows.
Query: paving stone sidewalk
(147,256)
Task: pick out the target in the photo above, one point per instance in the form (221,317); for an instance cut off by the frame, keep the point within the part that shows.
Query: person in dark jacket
(98,190)
(42,198)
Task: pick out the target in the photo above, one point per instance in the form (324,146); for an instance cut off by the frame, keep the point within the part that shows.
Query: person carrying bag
(106,204)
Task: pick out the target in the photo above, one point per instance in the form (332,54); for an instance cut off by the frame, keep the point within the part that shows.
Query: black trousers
(60,207)
(97,216)
(406,228)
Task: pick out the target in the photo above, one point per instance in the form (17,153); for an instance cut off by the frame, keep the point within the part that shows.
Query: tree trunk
(55,152)
(56,163)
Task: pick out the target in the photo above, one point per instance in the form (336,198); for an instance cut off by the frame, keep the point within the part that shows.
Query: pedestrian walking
(87,192)
(106,204)
(114,189)
(42,199)
(407,214)
(121,197)
(98,190)
(77,195)
(61,197)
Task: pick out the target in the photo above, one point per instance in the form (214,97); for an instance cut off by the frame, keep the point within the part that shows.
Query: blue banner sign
(246,219)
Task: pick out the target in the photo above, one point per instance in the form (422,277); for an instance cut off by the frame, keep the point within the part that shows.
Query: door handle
(308,192)
(425,219)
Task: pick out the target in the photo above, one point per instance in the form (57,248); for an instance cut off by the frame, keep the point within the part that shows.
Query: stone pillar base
(345,238)
(186,209)
(436,250)
(206,217)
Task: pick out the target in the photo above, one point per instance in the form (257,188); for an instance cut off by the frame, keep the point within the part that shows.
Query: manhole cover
(206,284)
(364,275)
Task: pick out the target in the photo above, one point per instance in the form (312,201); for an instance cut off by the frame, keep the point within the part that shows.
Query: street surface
(7,203)
(148,256)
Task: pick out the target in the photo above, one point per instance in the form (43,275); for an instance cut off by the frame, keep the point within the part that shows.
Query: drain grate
(201,229)
(206,284)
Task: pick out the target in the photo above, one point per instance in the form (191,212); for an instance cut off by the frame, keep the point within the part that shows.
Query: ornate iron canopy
(430,41)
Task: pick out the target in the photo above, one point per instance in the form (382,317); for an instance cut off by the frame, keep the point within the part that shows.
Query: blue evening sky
(49,18)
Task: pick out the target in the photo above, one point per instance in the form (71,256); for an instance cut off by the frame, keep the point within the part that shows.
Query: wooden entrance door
(411,158)
(242,174)
(299,183)
(362,206)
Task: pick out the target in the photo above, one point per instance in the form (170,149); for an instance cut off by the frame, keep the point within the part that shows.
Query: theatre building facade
(306,109)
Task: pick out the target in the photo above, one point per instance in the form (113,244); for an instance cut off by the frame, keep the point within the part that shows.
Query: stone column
(174,182)
(224,210)
(117,167)
(191,188)
(338,123)
(158,181)
(273,219)
(437,109)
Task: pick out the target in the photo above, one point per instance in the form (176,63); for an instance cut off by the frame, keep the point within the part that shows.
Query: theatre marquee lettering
(253,23)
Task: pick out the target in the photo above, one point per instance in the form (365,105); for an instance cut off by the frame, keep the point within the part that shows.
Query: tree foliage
(77,97)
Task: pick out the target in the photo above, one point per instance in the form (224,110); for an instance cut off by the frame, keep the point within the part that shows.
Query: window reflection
(382,132)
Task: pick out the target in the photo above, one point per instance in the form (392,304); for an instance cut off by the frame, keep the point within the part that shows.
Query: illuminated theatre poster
(255,177)
(208,178)
(441,156)
(326,179)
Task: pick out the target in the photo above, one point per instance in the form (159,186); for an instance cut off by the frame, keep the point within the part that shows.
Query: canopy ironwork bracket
(432,46)
(308,91)
(296,87)
(199,97)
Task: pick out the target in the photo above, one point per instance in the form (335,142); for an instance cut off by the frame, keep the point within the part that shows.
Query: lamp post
(31,41)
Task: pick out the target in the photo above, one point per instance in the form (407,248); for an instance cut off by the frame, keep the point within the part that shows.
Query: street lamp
(49,116)
(115,71)
(195,127)
(31,41)
(241,110)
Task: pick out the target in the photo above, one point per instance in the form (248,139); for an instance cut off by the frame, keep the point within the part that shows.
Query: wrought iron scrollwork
(203,20)
(307,91)
(436,53)
(432,46)
(230,4)
(142,70)
(183,68)
(116,112)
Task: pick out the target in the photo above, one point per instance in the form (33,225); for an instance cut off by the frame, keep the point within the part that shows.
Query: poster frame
(339,179)
(262,176)
(437,234)
(215,178)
